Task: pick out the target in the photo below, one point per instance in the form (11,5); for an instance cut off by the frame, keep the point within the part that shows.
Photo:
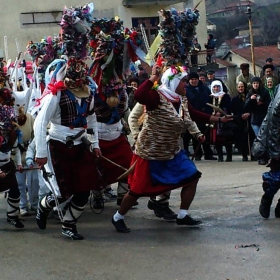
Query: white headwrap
(169,82)
(217,94)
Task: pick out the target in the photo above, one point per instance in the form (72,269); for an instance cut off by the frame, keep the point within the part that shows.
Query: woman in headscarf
(270,86)
(161,165)
(221,136)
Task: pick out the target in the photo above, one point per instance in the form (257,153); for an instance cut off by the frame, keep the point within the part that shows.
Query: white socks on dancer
(182,214)
(118,216)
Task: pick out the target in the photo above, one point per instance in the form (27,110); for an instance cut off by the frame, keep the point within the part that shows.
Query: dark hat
(244,66)
(210,71)
(256,79)
(268,66)
(202,74)
(193,75)
(269,59)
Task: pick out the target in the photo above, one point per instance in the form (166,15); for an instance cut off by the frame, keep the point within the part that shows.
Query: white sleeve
(133,119)
(18,159)
(41,122)
(31,150)
(92,124)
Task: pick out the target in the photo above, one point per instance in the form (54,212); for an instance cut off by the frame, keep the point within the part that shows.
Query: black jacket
(258,112)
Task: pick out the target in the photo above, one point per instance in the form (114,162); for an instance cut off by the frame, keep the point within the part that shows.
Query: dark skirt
(75,169)
(10,181)
(118,151)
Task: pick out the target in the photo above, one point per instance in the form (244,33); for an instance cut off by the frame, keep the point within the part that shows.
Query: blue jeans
(28,180)
(256,129)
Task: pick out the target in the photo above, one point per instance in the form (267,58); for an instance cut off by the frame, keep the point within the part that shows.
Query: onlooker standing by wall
(198,95)
(257,102)
(210,47)
(196,48)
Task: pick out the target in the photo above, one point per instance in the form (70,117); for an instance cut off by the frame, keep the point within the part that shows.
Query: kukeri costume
(8,137)
(27,180)
(268,141)
(161,164)
(68,105)
(113,49)
(160,203)
(157,150)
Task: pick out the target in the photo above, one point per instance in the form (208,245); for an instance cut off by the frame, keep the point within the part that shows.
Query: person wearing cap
(269,61)
(198,95)
(211,77)
(245,76)
(161,165)
(268,71)
(257,102)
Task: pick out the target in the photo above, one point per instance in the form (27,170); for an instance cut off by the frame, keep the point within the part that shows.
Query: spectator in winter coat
(257,102)
(210,47)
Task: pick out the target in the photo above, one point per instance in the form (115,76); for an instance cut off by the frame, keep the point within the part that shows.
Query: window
(40,17)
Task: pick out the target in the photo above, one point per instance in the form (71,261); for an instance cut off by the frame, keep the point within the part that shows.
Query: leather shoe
(210,158)
(120,225)
(187,221)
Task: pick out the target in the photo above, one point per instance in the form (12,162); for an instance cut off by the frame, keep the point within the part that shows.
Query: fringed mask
(113,92)
(76,76)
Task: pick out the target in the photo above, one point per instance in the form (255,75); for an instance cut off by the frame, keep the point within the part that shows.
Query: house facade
(34,20)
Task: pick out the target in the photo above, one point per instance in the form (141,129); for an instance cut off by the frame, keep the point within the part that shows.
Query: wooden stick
(6,48)
(114,163)
(249,142)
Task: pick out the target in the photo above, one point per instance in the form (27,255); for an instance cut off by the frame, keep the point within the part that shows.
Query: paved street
(233,243)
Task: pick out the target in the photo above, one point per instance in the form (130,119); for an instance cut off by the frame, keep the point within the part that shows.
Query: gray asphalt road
(227,201)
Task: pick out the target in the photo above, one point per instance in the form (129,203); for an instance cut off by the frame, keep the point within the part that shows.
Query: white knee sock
(118,216)
(182,214)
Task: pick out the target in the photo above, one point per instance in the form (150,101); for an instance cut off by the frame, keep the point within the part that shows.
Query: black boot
(229,153)
(244,155)
(219,150)
(162,210)
(277,209)
(265,206)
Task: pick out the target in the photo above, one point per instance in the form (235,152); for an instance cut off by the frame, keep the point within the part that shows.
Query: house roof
(216,21)
(260,54)
(240,3)
(233,7)
(235,43)
(225,63)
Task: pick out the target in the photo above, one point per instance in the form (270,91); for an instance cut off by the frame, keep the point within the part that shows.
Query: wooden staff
(127,171)
(248,138)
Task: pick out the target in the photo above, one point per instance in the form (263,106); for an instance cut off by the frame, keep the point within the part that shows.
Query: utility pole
(249,13)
